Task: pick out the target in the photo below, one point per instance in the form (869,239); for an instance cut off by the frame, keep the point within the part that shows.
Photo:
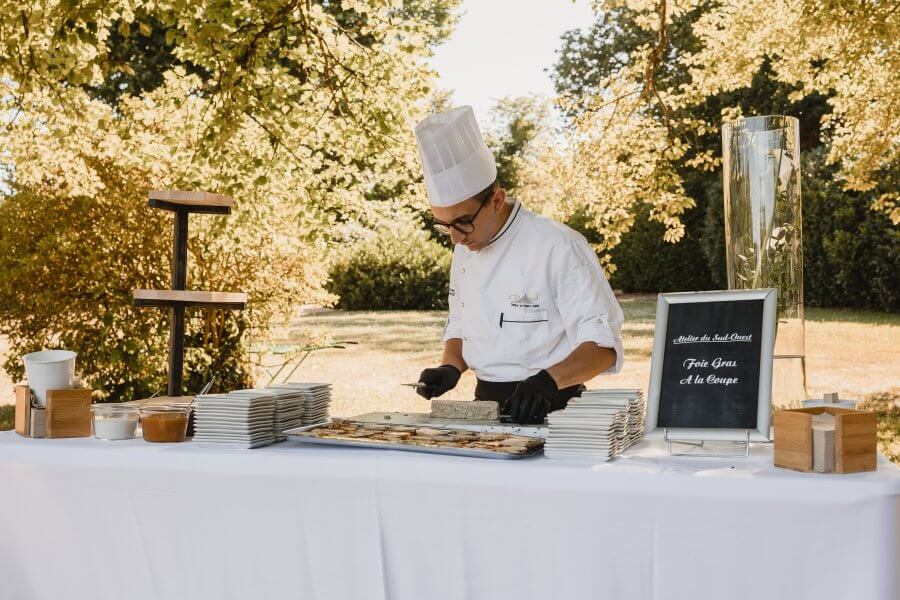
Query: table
(84,518)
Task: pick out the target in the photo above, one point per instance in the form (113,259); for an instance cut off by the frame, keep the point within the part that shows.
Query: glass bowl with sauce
(165,423)
(112,421)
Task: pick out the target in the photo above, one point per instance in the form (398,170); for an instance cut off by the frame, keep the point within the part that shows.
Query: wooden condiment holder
(67,414)
(855,439)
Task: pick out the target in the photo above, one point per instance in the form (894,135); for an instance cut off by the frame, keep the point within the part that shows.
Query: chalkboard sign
(712,365)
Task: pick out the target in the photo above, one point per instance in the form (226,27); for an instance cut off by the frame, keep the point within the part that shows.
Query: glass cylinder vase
(763,234)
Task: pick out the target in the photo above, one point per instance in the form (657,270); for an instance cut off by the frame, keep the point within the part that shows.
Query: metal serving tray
(297,434)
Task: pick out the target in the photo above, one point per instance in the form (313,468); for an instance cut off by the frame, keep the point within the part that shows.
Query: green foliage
(142,55)
(644,262)
(67,271)
(589,56)
(516,123)
(851,253)
(299,111)
(886,405)
(397,268)
(712,239)
(215,348)
(7,417)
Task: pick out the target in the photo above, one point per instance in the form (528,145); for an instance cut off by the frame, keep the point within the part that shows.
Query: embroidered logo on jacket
(524,301)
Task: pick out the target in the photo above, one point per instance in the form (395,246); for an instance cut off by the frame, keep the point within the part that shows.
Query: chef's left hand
(530,401)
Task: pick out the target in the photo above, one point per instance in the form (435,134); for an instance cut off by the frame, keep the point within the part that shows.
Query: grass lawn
(855,353)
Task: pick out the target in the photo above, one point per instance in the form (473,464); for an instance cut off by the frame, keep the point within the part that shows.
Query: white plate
(301,386)
(238,404)
(552,453)
(237,411)
(234,438)
(585,447)
(230,421)
(225,412)
(234,445)
(236,399)
(236,428)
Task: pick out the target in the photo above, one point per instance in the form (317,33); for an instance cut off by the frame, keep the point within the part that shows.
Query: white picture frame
(764,409)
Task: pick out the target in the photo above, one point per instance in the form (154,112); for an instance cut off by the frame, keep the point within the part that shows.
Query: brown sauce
(164,426)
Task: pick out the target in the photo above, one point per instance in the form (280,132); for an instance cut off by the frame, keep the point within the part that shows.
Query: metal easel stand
(699,444)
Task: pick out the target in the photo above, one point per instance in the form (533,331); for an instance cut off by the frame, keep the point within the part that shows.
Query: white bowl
(49,370)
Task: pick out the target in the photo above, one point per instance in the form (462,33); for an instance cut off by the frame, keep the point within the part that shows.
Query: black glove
(438,380)
(530,401)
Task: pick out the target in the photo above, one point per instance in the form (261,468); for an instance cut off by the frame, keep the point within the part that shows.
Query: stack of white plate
(631,401)
(597,426)
(288,408)
(316,399)
(238,420)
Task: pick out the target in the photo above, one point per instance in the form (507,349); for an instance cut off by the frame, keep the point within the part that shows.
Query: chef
(530,309)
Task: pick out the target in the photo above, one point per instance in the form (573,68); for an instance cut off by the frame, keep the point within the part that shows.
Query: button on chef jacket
(527,300)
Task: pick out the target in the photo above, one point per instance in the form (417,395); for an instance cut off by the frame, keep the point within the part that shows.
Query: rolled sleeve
(453,327)
(601,333)
(586,302)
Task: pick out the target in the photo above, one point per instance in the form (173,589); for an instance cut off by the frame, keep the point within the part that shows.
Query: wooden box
(68,413)
(855,439)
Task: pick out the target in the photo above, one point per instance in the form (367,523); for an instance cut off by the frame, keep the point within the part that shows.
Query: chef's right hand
(438,381)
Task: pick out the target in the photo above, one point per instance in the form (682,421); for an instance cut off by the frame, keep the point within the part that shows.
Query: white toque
(455,160)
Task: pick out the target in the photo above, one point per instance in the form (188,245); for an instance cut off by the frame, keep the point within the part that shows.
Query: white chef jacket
(527,300)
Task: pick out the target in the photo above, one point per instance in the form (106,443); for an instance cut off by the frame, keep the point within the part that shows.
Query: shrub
(395,268)
(644,262)
(712,239)
(7,417)
(67,269)
(886,405)
(69,263)
(851,252)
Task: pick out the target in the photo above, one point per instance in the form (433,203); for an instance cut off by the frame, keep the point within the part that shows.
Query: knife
(417,385)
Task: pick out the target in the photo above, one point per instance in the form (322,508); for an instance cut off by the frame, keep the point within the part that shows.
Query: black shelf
(176,300)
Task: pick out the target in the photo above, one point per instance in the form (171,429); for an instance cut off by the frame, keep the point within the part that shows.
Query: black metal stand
(182,205)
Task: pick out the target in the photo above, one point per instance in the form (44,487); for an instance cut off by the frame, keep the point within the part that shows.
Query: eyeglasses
(464,225)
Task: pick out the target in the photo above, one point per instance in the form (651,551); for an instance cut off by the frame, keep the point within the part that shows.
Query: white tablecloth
(130,520)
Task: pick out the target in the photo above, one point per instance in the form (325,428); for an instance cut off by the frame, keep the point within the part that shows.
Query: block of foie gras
(473,410)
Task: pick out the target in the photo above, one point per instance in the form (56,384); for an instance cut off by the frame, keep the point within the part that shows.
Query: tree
(589,57)
(650,82)
(612,162)
(516,121)
(848,51)
(297,109)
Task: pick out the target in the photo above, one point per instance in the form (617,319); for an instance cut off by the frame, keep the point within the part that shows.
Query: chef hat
(456,161)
